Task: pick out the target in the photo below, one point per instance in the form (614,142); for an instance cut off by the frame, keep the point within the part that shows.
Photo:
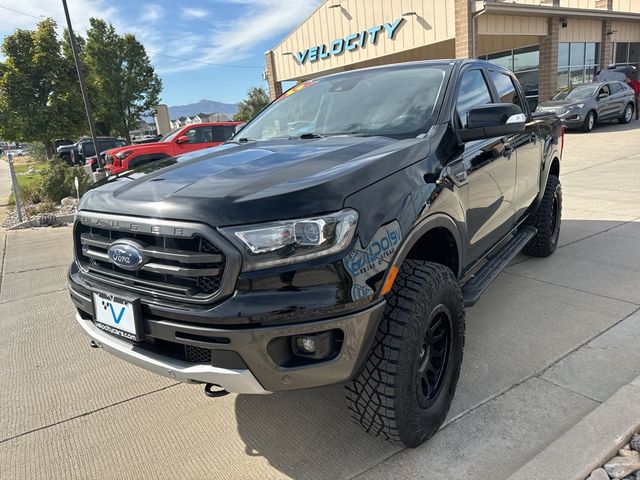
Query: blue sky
(234,33)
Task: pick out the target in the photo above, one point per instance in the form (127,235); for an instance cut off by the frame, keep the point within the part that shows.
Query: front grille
(556,110)
(177,268)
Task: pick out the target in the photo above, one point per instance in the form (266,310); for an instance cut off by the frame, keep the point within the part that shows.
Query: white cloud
(255,22)
(79,10)
(152,13)
(194,13)
(252,22)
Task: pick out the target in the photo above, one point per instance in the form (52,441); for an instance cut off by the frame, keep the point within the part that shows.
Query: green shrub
(30,191)
(37,151)
(58,181)
(44,207)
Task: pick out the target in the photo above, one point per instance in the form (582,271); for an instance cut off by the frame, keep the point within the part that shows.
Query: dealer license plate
(117,316)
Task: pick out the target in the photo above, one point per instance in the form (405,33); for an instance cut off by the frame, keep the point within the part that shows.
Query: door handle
(508,151)
(534,138)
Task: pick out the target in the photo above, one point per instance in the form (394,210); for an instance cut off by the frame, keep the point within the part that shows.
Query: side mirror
(602,95)
(493,120)
(182,139)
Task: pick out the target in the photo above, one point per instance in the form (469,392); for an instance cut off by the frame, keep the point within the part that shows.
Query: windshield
(398,103)
(581,92)
(171,135)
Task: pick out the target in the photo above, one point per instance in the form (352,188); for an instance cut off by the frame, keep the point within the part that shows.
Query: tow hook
(209,392)
(93,344)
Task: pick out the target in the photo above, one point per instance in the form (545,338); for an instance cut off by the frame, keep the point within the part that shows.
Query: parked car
(66,152)
(86,149)
(60,142)
(336,239)
(583,106)
(177,142)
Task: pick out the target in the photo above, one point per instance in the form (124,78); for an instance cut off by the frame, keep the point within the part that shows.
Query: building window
(524,62)
(577,63)
(626,54)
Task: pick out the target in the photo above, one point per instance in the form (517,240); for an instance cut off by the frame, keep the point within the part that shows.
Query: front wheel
(589,122)
(627,114)
(547,220)
(405,389)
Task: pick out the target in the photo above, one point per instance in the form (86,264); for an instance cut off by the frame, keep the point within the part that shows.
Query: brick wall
(275,88)
(463,28)
(606,46)
(548,77)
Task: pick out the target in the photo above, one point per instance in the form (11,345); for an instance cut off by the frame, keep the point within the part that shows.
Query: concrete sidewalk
(549,341)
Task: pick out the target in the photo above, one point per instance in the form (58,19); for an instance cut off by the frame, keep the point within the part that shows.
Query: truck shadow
(307,434)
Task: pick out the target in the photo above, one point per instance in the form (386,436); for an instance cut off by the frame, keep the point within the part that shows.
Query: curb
(61,220)
(590,442)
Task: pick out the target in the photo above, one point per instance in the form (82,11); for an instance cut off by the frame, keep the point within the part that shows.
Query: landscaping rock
(635,442)
(624,465)
(69,202)
(599,474)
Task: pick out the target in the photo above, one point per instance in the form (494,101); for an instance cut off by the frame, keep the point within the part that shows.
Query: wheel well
(437,246)
(595,114)
(555,168)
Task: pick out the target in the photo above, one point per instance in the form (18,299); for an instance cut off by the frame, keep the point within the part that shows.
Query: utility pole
(83,86)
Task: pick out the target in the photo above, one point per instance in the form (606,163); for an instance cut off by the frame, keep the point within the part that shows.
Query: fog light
(306,344)
(317,346)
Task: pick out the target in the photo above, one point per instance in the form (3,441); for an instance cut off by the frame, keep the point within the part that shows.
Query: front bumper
(240,381)
(259,372)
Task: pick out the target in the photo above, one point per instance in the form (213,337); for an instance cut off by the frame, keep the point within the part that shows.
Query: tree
(248,108)
(122,80)
(38,96)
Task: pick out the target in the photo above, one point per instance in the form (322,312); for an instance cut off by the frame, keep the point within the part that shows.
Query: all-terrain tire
(589,122)
(627,114)
(388,397)
(547,220)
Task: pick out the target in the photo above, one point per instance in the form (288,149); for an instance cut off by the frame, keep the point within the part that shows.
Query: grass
(26,182)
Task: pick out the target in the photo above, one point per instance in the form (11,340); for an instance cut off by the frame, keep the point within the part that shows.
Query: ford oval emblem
(126,255)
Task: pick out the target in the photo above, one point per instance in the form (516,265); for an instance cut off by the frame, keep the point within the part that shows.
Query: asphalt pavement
(548,342)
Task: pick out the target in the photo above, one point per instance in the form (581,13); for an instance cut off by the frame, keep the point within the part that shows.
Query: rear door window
(506,89)
(222,133)
(615,88)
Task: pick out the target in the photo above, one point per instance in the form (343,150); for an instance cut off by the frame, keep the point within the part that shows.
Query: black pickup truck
(337,238)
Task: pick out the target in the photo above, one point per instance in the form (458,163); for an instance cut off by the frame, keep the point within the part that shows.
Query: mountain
(203,106)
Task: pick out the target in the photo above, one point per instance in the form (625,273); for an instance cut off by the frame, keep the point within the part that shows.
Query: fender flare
(437,220)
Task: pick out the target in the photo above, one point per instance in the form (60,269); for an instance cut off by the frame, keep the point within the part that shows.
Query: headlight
(123,155)
(575,107)
(290,241)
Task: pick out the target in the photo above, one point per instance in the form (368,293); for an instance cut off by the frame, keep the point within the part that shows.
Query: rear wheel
(627,114)
(547,220)
(589,122)
(405,389)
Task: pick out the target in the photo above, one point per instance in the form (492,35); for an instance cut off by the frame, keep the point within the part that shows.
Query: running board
(472,290)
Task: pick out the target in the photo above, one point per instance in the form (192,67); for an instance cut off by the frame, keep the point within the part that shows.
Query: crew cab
(179,141)
(336,238)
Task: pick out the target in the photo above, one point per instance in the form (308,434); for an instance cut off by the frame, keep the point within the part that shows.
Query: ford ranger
(336,238)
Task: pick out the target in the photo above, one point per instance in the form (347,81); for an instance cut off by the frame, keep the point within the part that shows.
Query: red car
(182,140)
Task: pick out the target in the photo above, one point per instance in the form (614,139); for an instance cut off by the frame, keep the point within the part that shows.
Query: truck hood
(136,148)
(256,182)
